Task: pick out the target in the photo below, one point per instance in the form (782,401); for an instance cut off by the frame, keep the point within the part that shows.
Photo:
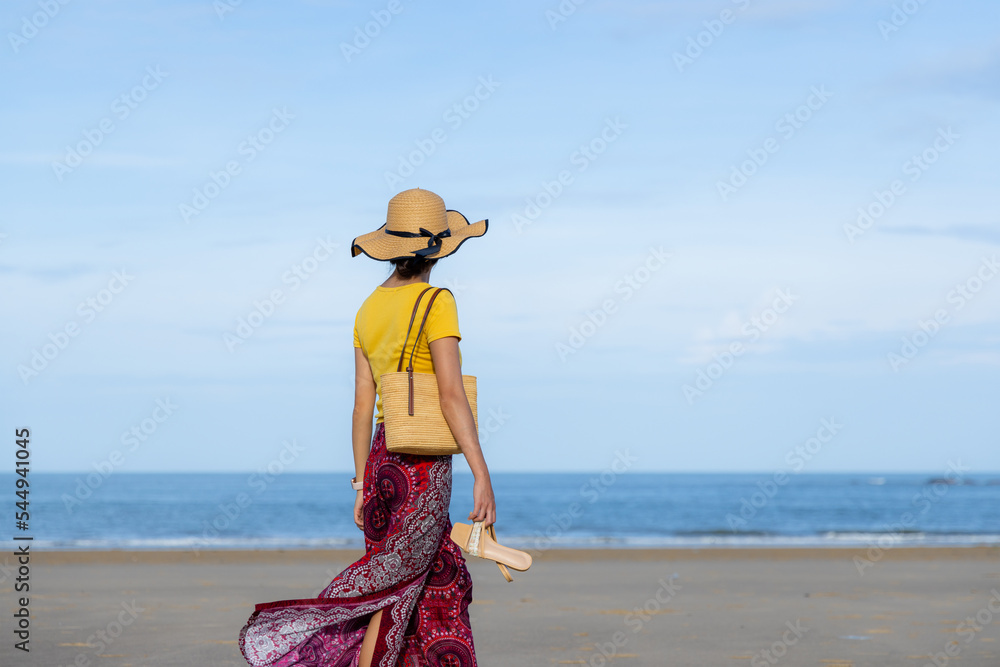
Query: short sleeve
(443,318)
(357,341)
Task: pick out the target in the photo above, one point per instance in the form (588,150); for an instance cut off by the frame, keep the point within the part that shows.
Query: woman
(405,602)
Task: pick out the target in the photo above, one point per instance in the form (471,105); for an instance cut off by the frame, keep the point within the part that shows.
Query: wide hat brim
(382,246)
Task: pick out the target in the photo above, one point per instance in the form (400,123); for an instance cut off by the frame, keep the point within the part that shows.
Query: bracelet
(356,485)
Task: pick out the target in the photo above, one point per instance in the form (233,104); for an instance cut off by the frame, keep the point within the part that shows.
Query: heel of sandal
(481,543)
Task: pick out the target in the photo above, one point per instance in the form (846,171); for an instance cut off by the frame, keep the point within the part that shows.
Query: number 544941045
(22,463)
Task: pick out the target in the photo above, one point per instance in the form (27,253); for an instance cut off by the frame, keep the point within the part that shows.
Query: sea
(535,511)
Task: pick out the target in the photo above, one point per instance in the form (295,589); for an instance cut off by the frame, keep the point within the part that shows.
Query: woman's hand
(484,507)
(359,503)
(458,413)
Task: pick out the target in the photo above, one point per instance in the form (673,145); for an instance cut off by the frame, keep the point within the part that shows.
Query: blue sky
(673,192)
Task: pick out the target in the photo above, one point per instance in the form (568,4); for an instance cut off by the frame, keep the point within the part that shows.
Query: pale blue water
(536,511)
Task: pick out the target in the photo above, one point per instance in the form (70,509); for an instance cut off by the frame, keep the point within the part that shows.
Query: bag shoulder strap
(413,316)
(409,365)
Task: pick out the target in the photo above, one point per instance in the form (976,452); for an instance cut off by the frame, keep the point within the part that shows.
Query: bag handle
(409,365)
(402,352)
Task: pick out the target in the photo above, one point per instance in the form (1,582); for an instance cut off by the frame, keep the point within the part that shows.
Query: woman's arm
(458,414)
(361,423)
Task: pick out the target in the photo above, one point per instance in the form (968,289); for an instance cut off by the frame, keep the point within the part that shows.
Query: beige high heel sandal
(483,544)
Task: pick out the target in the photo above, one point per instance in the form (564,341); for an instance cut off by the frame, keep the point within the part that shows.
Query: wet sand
(824,607)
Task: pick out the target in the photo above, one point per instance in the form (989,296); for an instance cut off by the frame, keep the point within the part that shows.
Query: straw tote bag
(411,404)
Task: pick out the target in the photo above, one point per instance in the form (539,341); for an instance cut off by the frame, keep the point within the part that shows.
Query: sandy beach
(824,607)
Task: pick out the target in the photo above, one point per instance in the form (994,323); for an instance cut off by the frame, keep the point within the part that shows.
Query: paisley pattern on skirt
(411,569)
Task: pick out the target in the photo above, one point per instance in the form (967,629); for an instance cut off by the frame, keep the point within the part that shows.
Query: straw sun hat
(417,225)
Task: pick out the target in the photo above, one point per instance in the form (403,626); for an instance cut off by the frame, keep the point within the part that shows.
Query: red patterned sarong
(411,569)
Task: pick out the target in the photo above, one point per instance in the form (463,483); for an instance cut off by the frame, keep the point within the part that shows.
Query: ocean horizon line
(628,473)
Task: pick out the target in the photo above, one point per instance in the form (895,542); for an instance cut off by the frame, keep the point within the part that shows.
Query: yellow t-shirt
(380,326)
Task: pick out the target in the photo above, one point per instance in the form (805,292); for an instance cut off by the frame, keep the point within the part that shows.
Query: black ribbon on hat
(434,241)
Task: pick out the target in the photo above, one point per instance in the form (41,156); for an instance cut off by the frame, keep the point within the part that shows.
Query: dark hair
(410,267)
